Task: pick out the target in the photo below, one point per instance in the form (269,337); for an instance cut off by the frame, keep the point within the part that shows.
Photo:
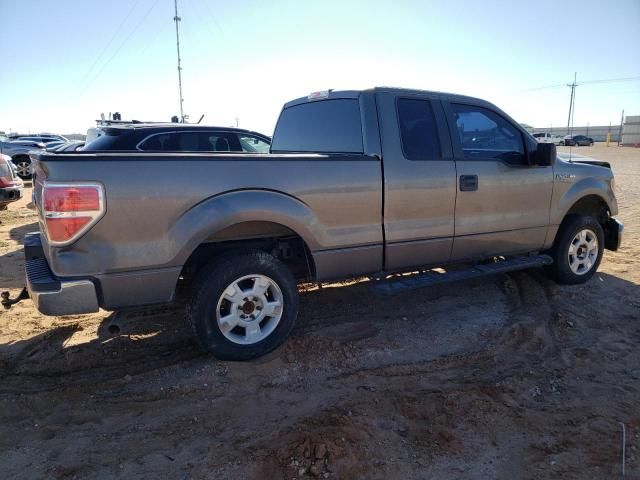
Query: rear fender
(230,208)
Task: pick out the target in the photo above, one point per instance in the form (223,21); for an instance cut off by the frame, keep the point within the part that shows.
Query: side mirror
(544,155)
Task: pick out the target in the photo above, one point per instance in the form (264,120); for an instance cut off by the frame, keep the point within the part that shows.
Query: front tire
(23,167)
(243,306)
(577,250)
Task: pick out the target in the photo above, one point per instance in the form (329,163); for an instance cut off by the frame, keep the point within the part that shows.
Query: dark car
(46,139)
(578,141)
(67,147)
(10,184)
(178,137)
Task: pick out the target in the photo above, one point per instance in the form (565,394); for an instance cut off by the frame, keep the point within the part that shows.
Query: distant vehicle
(53,145)
(67,147)
(578,141)
(19,150)
(46,139)
(10,184)
(545,137)
(178,137)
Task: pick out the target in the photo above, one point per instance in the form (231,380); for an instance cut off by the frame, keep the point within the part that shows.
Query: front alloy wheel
(577,250)
(583,252)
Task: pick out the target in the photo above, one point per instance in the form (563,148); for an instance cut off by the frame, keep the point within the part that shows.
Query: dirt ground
(507,377)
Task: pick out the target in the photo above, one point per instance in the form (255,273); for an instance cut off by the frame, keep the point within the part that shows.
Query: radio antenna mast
(177,19)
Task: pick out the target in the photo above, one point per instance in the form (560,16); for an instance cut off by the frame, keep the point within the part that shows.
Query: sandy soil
(507,377)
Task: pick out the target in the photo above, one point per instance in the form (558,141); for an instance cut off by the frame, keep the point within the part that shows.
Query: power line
(115,34)
(587,82)
(135,29)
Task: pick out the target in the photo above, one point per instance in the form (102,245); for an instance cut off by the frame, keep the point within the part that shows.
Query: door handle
(468,183)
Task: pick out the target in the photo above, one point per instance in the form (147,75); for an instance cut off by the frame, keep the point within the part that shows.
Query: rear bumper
(50,294)
(613,234)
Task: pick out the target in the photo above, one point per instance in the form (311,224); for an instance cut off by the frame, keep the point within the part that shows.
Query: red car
(10,184)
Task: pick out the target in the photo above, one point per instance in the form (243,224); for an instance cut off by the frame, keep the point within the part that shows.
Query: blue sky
(66,61)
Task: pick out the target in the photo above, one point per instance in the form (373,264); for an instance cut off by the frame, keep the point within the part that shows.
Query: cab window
(484,134)
(326,126)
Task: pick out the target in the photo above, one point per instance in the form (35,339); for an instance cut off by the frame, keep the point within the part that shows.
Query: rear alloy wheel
(23,167)
(243,305)
(577,251)
(249,309)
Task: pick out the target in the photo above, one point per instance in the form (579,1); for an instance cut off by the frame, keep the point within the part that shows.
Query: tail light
(6,174)
(69,210)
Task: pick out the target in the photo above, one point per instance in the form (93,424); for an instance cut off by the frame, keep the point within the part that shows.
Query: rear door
(503,203)
(419,180)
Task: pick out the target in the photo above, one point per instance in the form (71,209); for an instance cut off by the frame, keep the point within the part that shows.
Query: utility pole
(620,130)
(572,103)
(237,122)
(177,19)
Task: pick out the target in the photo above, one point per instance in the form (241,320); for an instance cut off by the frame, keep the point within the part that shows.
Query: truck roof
(334,94)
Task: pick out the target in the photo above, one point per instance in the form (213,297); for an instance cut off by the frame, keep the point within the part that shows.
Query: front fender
(230,208)
(582,188)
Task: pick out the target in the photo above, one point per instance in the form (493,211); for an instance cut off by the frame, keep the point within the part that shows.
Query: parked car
(357,183)
(46,139)
(10,184)
(578,141)
(178,137)
(19,151)
(543,137)
(53,145)
(67,147)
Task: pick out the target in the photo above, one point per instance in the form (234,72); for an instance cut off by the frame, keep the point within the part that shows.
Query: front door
(503,203)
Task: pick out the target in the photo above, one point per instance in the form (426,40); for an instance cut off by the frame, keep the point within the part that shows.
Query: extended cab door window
(484,134)
(418,130)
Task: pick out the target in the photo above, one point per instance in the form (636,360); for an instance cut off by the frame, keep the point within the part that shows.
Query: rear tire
(577,250)
(243,306)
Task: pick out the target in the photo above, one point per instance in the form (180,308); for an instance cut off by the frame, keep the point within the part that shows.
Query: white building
(631,131)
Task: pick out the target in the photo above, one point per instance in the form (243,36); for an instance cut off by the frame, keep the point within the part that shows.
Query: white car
(544,137)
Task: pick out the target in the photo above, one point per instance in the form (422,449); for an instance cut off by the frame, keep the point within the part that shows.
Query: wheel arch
(588,193)
(262,219)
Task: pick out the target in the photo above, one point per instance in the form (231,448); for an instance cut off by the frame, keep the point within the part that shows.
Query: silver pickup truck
(357,183)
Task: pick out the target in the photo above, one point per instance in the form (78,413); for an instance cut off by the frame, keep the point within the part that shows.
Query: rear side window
(327,126)
(156,143)
(251,144)
(192,142)
(418,130)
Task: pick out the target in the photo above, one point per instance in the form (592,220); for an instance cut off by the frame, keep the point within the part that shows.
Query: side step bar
(431,277)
